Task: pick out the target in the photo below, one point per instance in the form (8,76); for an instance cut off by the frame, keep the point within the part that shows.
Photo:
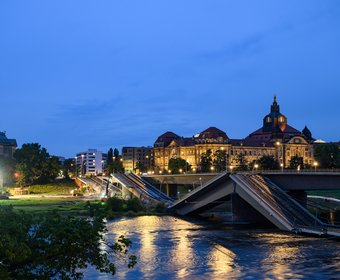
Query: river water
(171,248)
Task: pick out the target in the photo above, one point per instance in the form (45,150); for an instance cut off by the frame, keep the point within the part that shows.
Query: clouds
(115,73)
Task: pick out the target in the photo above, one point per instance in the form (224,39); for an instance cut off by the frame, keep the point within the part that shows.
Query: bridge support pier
(126,194)
(300,196)
(171,190)
(243,212)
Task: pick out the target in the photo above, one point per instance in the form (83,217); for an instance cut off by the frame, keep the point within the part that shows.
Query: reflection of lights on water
(221,260)
(284,252)
(183,254)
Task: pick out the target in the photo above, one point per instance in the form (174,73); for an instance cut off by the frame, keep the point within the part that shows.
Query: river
(172,248)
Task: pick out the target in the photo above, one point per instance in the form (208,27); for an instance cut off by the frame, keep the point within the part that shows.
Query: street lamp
(212,169)
(180,170)
(231,168)
(256,166)
(281,167)
(315,164)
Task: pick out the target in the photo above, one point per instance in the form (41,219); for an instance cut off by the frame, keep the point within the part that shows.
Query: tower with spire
(274,122)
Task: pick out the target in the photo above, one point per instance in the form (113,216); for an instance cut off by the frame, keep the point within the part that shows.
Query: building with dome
(275,138)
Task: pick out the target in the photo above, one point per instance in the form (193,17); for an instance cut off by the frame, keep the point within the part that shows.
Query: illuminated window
(268,119)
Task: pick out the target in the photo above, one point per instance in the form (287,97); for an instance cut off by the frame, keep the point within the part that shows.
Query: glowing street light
(212,168)
(256,166)
(315,164)
(180,170)
(281,167)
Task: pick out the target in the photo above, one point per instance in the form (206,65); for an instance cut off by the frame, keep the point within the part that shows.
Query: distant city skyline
(78,75)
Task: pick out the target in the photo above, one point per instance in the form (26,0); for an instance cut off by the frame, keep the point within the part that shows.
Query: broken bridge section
(261,194)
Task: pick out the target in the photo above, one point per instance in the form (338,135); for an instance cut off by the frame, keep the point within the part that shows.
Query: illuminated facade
(137,158)
(275,138)
(90,162)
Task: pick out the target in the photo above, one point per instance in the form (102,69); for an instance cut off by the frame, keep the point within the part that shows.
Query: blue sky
(100,74)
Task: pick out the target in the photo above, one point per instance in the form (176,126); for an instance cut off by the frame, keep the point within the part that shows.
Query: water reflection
(171,248)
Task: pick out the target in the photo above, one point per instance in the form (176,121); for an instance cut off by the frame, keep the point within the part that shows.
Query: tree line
(32,164)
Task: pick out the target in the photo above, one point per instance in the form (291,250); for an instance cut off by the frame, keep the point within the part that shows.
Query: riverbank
(80,206)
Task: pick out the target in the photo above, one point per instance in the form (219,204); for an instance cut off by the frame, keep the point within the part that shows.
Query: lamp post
(281,164)
(315,164)
(256,166)
(279,153)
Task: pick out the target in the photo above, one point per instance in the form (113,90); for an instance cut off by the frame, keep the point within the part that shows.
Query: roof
(5,141)
(167,137)
(184,142)
(212,133)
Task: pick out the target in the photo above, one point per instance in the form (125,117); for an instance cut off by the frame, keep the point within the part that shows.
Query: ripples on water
(172,248)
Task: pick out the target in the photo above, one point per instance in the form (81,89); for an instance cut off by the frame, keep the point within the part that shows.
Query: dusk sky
(98,74)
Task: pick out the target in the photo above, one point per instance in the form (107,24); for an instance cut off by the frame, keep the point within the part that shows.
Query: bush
(115,204)
(160,208)
(134,205)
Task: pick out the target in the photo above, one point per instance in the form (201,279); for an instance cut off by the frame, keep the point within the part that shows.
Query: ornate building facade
(275,138)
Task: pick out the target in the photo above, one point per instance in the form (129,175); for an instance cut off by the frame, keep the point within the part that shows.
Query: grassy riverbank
(76,206)
(61,187)
(70,205)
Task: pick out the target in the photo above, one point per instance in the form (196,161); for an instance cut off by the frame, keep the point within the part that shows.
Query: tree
(206,161)
(109,162)
(296,162)
(117,165)
(141,167)
(35,165)
(327,155)
(178,164)
(54,246)
(242,163)
(268,163)
(220,160)
(69,168)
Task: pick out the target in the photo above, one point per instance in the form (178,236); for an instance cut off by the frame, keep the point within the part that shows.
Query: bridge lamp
(256,166)
(231,168)
(180,170)
(281,164)
(212,168)
(315,164)
(160,171)
(194,169)
(169,171)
